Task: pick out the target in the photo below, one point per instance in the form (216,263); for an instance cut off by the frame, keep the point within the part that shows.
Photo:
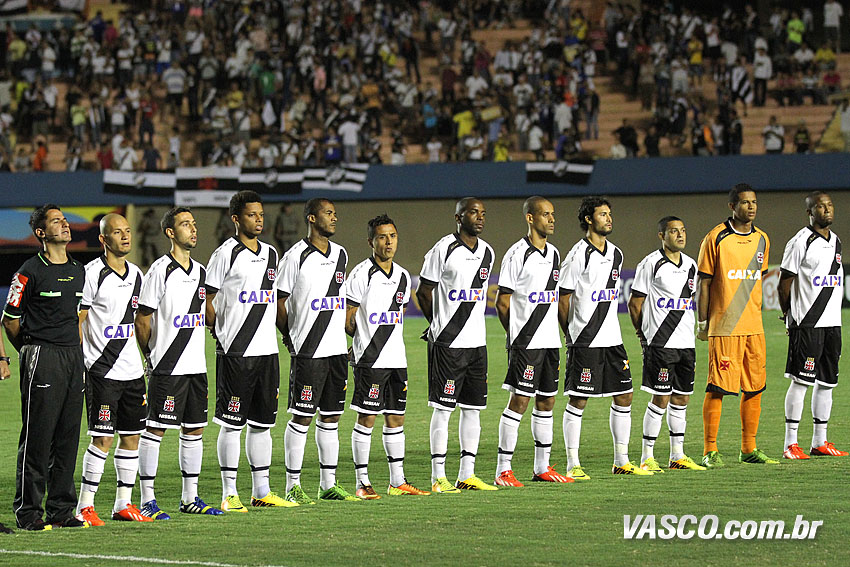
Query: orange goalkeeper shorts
(737,364)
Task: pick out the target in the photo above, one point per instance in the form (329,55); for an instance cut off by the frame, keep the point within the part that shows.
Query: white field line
(155,560)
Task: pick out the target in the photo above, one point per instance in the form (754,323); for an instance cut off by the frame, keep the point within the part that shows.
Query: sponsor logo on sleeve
(16,290)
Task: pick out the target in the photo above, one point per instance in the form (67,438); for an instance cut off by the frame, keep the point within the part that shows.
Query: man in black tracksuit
(40,318)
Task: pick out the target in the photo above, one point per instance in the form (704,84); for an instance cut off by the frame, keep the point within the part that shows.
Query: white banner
(203,198)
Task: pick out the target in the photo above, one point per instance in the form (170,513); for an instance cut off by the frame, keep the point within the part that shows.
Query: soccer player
(311,318)
(527,305)
(170,332)
(115,383)
(597,363)
(240,312)
(377,292)
(452,294)
(811,286)
(41,322)
(661,307)
(732,261)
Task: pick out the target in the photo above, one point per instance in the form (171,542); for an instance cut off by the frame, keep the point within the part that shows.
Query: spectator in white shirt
(832,12)
(774,137)
(762,72)
(268,153)
(475,84)
(349,131)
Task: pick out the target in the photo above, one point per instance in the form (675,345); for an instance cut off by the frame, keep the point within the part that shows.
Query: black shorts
(379,390)
(597,372)
(457,377)
(247,388)
(533,372)
(177,401)
(115,406)
(318,383)
(668,371)
(813,355)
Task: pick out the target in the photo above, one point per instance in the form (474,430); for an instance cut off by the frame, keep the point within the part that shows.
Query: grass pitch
(577,524)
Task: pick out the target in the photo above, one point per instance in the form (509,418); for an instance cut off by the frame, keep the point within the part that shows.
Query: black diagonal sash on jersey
(461,316)
(671,321)
(598,318)
(113,348)
(525,334)
(255,315)
(320,325)
(822,300)
(383,333)
(178,345)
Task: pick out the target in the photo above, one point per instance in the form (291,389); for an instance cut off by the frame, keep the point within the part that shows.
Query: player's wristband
(702,326)
(5,359)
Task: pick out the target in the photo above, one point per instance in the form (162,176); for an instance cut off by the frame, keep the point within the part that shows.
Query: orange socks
(711,408)
(750,413)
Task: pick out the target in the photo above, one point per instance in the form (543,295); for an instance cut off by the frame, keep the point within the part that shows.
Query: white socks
(148,463)
(228,458)
(393,438)
(572,435)
(94,461)
(508,431)
(651,428)
(191,453)
(327,441)
(470,433)
(294,440)
(361,446)
(258,449)
(439,442)
(676,422)
(620,421)
(794,398)
(541,431)
(126,464)
(821,410)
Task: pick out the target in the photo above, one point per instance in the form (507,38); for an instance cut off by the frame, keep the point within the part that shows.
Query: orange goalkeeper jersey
(736,263)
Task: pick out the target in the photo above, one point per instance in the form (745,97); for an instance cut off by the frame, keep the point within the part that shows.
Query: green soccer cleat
(713,460)
(686,463)
(297,496)
(757,457)
(338,493)
(233,504)
(443,486)
(652,466)
(577,474)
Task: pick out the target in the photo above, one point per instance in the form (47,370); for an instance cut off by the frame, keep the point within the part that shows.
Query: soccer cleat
(406,489)
(129,514)
(630,468)
(685,462)
(551,475)
(89,515)
(366,492)
(272,500)
(652,466)
(507,478)
(757,457)
(713,460)
(72,522)
(296,495)
(37,526)
(443,486)
(233,504)
(474,483)
(828,450)
(577,473)
(793,451)
(198,506)
(152,511)
(338,493)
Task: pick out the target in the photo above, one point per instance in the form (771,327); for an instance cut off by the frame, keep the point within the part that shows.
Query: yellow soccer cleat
(233,504)
(686,463)
(406,489)
(474,483)
(630,468)
(652,466)
(443,486)
(577,474)
(272,500)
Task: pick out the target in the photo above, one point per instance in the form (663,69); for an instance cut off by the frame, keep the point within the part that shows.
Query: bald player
(115,385)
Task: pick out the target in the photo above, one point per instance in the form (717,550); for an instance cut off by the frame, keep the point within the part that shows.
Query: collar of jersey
(730,227)
(535,248)
(380,269)
(816,233)
(126,271)
(176,263)
(667,258)
(462,243)
(242,244)
(310,244)
(594,248)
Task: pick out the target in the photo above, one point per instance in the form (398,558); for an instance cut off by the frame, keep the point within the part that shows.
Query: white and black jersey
(109,335)
(381,298)
(314,285)
(177,297)
(592,276)
(530,275)
(460,275)
(817,290)
(245,301)
(667,317)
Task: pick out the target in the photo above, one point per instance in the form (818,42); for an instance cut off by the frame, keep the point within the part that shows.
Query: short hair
(38,218)
(168,218)
(532,203)
(588,205)
(662,224)
(464,203)
(735,192)
(313,206)
(380,220)
(813,197)
(239,200)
